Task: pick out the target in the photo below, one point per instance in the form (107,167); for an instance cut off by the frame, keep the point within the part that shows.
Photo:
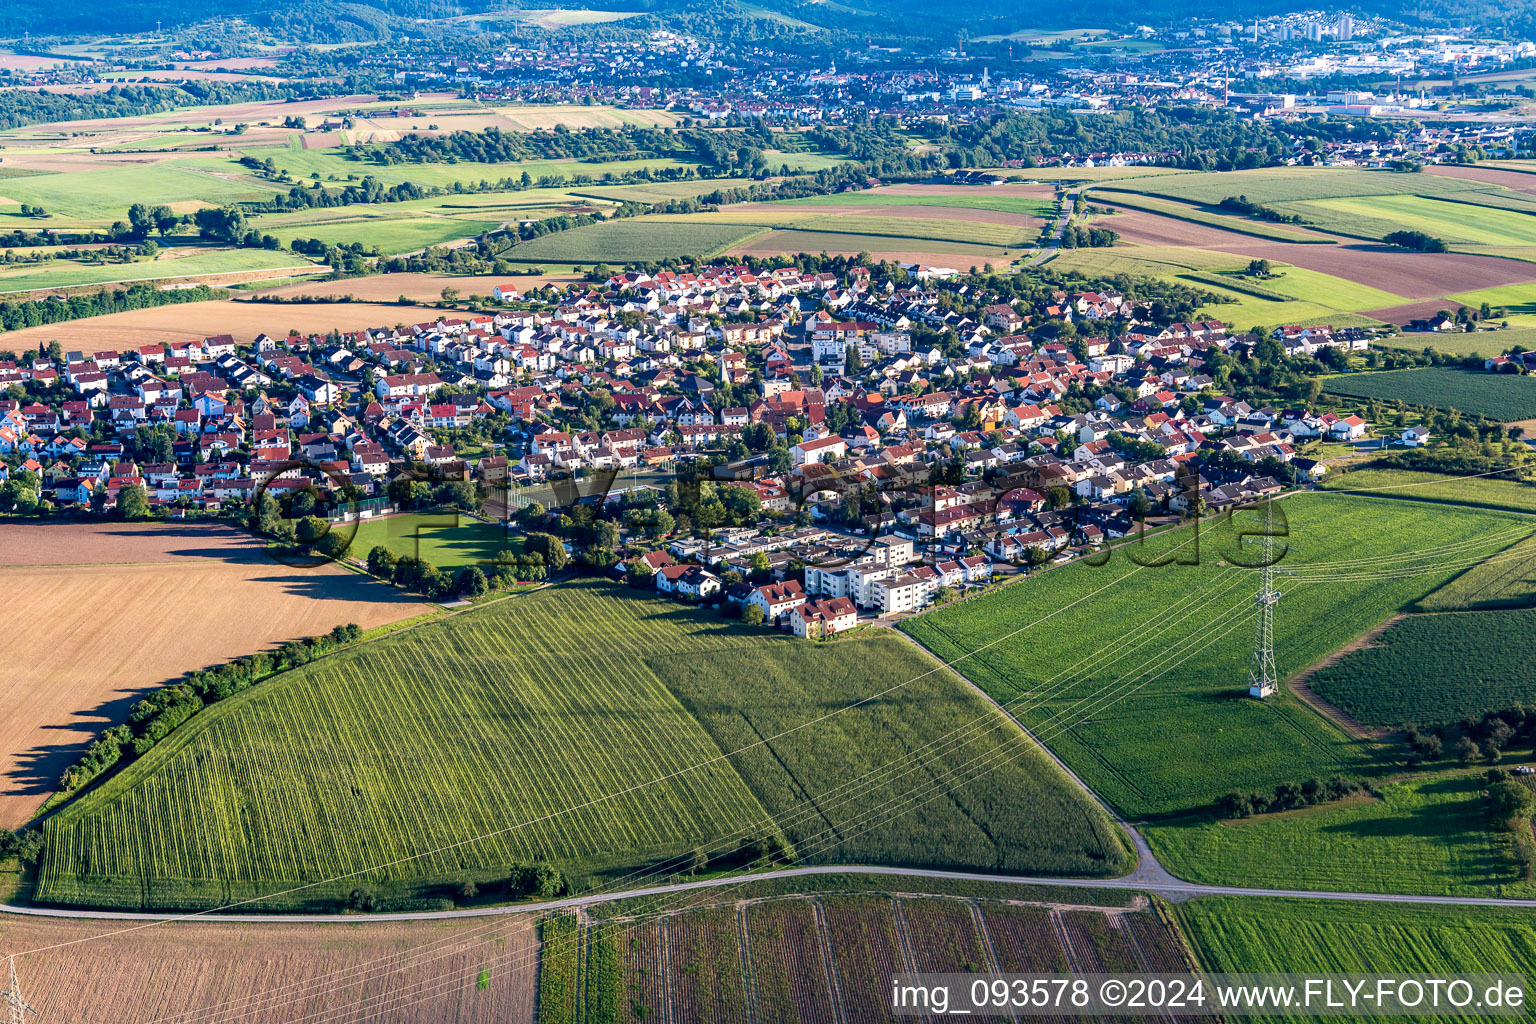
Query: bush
(362,900)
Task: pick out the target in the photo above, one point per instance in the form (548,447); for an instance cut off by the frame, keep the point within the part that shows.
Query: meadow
(305,163)
(1498,396)
(384,231)
(1136,675)
(182,262)
(1433,670)
(1417,485)
(98,196)
(1506,580)
(1251,934)
(1289,184)
(447,540)
(561,726)
(1427,836)
(1451,222)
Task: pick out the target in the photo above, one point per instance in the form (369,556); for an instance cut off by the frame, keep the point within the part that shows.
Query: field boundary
(1297,684)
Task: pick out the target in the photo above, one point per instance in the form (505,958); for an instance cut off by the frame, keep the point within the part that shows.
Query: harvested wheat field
(113,609)
(421,287)
(404,973)
(197,320)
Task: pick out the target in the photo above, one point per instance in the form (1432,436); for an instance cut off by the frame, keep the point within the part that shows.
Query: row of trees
(16,315)
(1290,795)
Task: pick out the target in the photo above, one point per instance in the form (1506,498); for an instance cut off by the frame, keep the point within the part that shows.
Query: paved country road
(1174,889)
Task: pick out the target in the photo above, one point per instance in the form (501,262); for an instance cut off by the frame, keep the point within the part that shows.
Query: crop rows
(640,996)
(704,959)
(521,720)
(943,935)
(559,982)
(1162,949)
(532,723)
(1436,669)
(865,954)
(1098,944)
(787,965)
(1498,396)
(1506,580)
(1125,670)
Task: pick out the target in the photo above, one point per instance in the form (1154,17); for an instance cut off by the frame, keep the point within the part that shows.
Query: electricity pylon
(16,1007)
(1262,677)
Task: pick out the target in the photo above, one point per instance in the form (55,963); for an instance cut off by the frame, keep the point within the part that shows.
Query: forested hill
(329,20)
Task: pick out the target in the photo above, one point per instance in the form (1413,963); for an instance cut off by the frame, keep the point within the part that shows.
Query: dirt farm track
(108,610)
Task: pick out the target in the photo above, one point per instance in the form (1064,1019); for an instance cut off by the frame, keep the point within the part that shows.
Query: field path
(1298,687)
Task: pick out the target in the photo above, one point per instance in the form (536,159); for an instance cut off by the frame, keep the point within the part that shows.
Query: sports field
(1136,675)
(447,540)
(583,725)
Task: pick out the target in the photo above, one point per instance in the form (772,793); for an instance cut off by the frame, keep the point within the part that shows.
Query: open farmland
(1507,580)
(1436,669)
(1417,485)
(417,287)
(822,959)
(1136,676)
(631,240)
(1453,222)
(95,197)
(1248,934)
(172,263)
(117,609)
(539,733)
(1497,396)
(1289,184)
(387,231)
(957,255)
(194,321)
(1428,835)
(397,973)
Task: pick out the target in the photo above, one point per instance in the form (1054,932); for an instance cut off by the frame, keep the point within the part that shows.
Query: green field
(1416,485)
(448,540)
(910,229)
(583,725)
(1498,396)
(1248,934)
(304,163)
(1434,670)
(1475,343)
(179,262)
(1024,206)
(1137,676)
(1452,222)
(1288,184)
(387,234)
(99,197)
(1427,836)
(1506,580)
(632,240)
(964,254)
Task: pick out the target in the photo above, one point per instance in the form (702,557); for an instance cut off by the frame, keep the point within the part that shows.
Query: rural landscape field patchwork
(722,514)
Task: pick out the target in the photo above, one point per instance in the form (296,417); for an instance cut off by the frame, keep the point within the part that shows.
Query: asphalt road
(1174,889)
